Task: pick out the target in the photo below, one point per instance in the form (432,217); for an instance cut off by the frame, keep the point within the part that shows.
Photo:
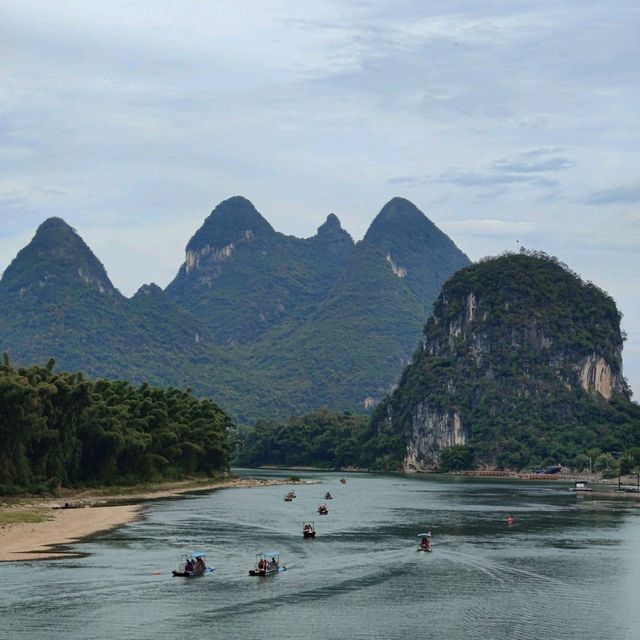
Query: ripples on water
(567,568)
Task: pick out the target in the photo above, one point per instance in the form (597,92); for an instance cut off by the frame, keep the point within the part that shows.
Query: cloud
(406,180)
(493,227)
(624,194)
(463,178)
(540,166)
(526,167)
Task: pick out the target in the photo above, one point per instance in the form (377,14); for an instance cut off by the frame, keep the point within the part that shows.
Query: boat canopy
(424,535)
(198,554)
(271,553)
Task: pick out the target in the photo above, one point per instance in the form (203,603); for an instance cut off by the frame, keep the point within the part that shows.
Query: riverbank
(43,528)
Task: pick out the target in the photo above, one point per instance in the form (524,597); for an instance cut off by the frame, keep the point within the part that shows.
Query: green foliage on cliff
(62,429)
(504,350)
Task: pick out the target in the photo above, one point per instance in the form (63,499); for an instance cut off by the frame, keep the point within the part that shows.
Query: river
(567,568)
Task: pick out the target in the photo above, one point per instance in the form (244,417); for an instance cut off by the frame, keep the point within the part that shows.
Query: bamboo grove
(60,429)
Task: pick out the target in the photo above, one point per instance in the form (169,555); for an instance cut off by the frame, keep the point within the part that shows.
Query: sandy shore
(86,515)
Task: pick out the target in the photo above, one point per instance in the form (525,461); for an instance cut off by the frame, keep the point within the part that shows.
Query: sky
(508,123)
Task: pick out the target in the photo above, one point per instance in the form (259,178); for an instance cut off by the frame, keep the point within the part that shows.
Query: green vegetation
(320,439)
(456,458)
(503,350)
(59,429)
(262,280)
(269,325)
(22,516)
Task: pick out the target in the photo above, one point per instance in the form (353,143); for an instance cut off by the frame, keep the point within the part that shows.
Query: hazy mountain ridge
(264,323)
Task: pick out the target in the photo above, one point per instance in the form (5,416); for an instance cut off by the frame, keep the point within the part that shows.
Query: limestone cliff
(518,357)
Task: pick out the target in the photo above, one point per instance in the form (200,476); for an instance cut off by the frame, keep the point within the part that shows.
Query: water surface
(567,568)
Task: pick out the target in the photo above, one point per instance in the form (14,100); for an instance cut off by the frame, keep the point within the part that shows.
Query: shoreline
(44,528)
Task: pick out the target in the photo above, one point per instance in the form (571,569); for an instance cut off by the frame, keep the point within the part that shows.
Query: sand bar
(86,515)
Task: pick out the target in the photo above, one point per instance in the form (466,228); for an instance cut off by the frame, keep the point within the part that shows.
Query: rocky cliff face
(431,431)
(518,340)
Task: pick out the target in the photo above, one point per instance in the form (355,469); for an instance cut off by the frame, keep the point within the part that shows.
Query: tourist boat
(581,486)
(328,496)
(267,563)
(290,496)
(191,565)
(425,541)
(322,509)
(308,530)
(343,481)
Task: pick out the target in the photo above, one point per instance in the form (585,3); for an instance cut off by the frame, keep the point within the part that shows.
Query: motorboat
(308,530)
(322,509)
(191,565)
(328,496)
(267,563)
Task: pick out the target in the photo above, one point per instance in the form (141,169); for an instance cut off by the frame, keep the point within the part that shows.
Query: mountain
(242,278)
(415,249)
(57,301)
(56,257)
(520,364)
(351,350)
(264,323)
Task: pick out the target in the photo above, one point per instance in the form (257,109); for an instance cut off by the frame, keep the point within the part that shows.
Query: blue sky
(507,123)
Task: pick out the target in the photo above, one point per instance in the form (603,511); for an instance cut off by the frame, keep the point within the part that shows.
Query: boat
(267,563)
(343,481)
(581,486)
(191,565)
(425,542)
(322,509)
(328,496)
(290,496)
(308,530)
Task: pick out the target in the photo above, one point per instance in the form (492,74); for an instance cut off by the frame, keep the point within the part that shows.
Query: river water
(567,568)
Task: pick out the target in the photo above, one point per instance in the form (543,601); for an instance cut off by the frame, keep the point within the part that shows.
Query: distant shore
(43,528)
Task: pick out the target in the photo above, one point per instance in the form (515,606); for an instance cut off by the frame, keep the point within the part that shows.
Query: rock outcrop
(518,346)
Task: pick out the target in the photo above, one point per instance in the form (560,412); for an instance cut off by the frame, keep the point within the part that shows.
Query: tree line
(60,429)
(322,438)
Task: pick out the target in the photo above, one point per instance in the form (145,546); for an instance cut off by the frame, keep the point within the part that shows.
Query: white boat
(581,486)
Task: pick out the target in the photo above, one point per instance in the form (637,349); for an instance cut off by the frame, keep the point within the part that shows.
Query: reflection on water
(566,568)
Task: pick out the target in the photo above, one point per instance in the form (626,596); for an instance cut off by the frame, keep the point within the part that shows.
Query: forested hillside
(62,429)
(266,324)
(520,365)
